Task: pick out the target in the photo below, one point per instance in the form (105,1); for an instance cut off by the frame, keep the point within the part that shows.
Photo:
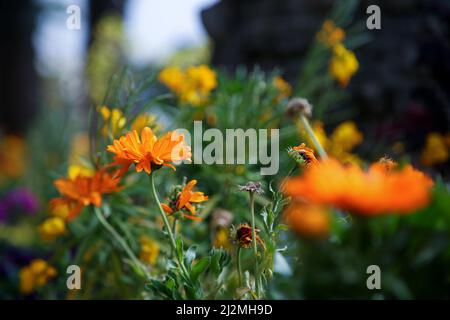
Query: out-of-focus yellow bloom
(222,238)
(343,64)
(436,149)
(60,209)
(75,171)
(283,87)
(173,77)
(52,228)
(113,121)
(202,78)
(35,275)
(330,35)
(12,157)
(344,138)
(192,86)
(145,120)
(79,151)
(149,251)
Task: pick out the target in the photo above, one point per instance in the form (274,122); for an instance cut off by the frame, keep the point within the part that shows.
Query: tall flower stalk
(255,248)
(252,188)
(168,227)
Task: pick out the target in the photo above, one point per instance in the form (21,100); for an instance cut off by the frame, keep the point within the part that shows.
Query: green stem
(167,226)
(287,176)
(121,241)
(239,267)
(174,231)
(313,137)
(255,248)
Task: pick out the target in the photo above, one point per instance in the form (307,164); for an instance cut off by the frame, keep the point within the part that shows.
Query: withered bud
(387,163)
(252,187)
(297,106)
(243,236)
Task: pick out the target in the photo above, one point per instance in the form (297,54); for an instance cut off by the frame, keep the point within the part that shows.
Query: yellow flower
(344,138)
(202,78)
(283,87)
(192,86)
(222,238)
(145,120)
(330,35)
(79,152)
(149,251)
(113,121)
(346,135)
(436,150)
(83,171)
(343,64)
(52,228)
(35,275)
(173,78)
(12,157)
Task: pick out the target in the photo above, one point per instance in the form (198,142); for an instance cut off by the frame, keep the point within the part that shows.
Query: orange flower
(304,155)
(379,190)
(184,200)
(82,191)
(308,220)
(146,150)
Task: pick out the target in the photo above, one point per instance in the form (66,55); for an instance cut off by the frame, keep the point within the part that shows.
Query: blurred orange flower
(146,150)
(186,198)
(307,220)
(12,156)
(35,275)
(82,191)
(380,189)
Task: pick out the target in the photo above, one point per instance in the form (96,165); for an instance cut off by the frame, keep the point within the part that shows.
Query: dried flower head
(243,236)
(252,187)
(297,106)
(387,163)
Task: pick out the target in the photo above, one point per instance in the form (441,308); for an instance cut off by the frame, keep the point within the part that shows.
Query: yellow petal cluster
(192,86)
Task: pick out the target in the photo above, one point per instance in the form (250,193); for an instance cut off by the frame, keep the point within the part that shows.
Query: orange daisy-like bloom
(184,200)
(380,189)
(82,191)
(147,150)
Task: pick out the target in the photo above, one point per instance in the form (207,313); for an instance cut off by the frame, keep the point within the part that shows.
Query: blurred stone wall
(403,70)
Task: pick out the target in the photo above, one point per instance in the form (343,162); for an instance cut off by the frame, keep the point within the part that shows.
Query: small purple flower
(23,198)
(20,198)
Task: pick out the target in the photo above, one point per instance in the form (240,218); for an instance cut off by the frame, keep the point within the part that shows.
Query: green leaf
(179,244)
(200,267)
(190,255)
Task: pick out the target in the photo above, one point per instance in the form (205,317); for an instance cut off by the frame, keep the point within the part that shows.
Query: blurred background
(51,76)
